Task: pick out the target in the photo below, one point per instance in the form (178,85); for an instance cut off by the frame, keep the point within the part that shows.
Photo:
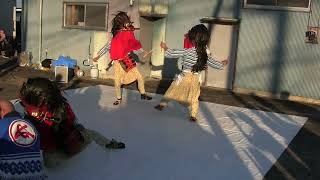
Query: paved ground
(299,161)
(225,137)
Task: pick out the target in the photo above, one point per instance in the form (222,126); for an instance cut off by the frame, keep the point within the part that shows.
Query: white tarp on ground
(227,142)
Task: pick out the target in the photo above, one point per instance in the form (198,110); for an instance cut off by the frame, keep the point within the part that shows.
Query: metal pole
(14,22)
(40,32)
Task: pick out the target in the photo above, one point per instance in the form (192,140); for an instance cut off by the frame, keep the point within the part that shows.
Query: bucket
(94,72)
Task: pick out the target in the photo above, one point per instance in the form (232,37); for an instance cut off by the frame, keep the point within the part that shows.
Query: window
(293,5)
(85,15)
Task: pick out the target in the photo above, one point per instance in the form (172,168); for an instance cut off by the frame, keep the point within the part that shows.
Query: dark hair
(42,91)
(199,36)
(119,22)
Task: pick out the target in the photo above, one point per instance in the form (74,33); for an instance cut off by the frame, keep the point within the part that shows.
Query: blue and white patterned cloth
(20,154)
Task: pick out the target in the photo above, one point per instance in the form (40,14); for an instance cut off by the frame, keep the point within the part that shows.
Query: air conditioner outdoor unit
(61,74)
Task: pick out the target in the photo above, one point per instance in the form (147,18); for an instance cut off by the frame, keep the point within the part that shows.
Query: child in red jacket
(53,117)
(122,44)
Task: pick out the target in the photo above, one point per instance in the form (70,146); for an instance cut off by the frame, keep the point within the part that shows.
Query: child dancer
(186,88)
(122,44)
(53,117)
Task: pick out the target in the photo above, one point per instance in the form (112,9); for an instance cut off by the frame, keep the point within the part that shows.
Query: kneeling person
(52,115)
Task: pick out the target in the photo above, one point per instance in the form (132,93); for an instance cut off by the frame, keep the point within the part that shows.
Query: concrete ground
(299,161)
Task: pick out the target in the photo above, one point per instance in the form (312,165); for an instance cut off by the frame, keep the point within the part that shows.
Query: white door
(145,36)
(223,45)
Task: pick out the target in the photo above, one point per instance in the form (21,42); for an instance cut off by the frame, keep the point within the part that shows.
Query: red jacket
(122,44)
(45,125)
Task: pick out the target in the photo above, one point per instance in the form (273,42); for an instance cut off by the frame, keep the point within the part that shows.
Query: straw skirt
(185,90)
(123,77)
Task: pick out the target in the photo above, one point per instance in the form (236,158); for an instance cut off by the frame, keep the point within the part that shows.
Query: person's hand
(163,45)
(5,108)
(95,59)
(2,37)
(146,53)
(225,62)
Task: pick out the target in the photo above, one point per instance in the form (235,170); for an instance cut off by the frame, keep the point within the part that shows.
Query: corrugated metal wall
(56,39)
(272,54)
(33,28)
(62,41)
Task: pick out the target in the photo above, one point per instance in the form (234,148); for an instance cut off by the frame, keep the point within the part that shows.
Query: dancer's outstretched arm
(102,51)
(172,53)
(217,64)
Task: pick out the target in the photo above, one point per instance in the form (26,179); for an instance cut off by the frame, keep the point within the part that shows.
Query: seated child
(53,117)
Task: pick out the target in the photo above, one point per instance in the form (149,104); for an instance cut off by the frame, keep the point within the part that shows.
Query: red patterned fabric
(187,43)
(45,125)
(129,63)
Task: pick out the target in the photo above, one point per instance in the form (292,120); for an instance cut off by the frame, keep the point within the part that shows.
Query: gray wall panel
(272,54)
(33,29)
(6,15)
(58,40)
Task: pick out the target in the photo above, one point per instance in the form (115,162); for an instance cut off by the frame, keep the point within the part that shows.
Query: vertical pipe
(14,32)
(24,15)
(40,32)
(152,7)
(14,15)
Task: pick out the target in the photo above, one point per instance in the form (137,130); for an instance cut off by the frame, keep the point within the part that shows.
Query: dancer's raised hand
(225,62)
(163,45)
(95,59)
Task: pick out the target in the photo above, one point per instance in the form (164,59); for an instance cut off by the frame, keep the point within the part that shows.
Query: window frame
(85,4)
(283,8)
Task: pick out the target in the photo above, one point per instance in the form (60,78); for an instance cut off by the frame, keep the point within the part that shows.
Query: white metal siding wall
(272,55)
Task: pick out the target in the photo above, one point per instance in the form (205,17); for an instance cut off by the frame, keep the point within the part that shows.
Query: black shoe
(145,97)
(193,119)
(117,102)
(159,107)
(115,145)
